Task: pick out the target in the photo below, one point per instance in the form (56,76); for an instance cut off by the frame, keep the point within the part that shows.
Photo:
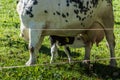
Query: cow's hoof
(85,62)
(70,61)
(113,63)
(29,63)
(51,62)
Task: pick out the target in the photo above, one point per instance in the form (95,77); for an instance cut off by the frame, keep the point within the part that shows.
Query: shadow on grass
(118,23)
(101,71)
(105,71)
(98,71)
(46,50)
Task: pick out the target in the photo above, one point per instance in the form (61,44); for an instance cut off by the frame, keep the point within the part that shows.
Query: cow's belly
(61,33)
(68,29)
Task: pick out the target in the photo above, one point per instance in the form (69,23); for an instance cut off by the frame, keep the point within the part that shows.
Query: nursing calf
(40,18)
(95,34)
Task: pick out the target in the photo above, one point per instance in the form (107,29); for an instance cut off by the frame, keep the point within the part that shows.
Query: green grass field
(14,52)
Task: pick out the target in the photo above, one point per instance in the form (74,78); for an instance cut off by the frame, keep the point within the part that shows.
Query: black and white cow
(94,35)
(39,18)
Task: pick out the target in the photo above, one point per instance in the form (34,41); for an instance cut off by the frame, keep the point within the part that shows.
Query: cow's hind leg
(35,40)
(108,24)
(111,41)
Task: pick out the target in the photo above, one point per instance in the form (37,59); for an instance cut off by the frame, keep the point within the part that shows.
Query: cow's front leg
(35,41)
(87,53)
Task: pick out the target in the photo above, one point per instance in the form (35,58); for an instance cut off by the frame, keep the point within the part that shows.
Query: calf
(66,42)
(40,18)
(94,35)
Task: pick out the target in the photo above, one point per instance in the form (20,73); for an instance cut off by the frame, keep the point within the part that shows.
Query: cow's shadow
(97,70)
(104,72)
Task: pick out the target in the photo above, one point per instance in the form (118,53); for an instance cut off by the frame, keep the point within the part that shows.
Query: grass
(14,52)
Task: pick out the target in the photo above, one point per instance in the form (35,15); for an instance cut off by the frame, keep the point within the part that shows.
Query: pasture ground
(14,52)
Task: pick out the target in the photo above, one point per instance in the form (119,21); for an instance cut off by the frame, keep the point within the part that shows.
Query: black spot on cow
(53,13)
(67,14)
(83,6)
(75,5)
(76,1)
(28,12)
(45,11)
(94,2)
(68,3)
(91,12)
(58,13)
(66,20)
(78,17)
(30,9)
(80,6)
(82,25)
(31,15)
(58,4)
(76,11)
(90,6)
(83,18)
(35,2)
(63,15)
(87,3)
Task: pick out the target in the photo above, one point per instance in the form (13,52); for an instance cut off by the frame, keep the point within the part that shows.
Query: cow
(94,34)
(40,18)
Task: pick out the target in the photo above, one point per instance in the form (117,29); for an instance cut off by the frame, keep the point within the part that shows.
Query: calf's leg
(67,51)
(54,51)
